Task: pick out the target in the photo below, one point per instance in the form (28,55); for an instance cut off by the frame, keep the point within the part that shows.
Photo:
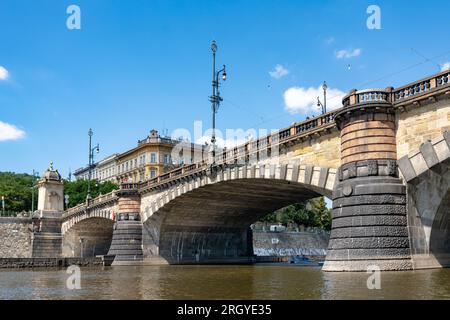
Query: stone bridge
(201,213)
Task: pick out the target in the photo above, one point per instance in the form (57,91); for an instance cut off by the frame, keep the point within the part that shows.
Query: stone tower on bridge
(369,199)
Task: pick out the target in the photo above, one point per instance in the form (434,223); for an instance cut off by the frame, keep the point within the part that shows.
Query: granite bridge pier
(382,158)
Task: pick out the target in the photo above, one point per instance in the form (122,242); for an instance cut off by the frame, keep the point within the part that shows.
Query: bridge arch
(88,233)
(440,232)
(88,238)
(427,174)
(206,217)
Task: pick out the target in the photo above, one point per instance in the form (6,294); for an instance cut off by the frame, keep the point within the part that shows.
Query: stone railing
(172,175)
(129,186)
(422,86)
(98,201)
(293,132)
(398,95)
(368,96)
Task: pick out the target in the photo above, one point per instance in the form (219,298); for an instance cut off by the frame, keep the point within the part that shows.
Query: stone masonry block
(429,154)
(406,168)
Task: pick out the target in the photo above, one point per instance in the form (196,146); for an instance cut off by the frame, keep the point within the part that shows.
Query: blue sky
(137,65)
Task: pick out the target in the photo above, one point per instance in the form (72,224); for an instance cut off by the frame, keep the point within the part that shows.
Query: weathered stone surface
(367,264)
(429,154)
(126,244)
(381,220)
(369,210)
(373,199)
(368,242)
(290,243)
(363,254)
(407,168)
(369,231)
(419,125)
(15,237)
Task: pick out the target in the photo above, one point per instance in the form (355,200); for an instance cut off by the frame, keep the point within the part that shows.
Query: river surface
(221,282)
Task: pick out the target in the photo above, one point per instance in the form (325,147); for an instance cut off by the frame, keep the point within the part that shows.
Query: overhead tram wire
(367,83)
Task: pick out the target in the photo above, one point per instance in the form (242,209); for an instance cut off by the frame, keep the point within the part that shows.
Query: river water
(275,281)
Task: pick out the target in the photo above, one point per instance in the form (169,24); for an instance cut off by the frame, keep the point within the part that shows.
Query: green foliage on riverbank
(16,188)
(313,213)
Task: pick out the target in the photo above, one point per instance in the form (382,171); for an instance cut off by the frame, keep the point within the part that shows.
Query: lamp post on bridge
(91,163)
(215,98)
(33,186)
(319,103)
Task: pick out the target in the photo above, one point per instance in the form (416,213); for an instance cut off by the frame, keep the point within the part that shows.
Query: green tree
(316,214)
(321,212)
(77,190)
(17,190)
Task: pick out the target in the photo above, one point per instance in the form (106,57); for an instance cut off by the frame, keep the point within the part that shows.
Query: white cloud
(4,74)
(279,72)
(445,66)
(297,99)
(10,132)
(341,54)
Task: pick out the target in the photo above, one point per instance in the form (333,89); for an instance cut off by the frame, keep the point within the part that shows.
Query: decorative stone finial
(50,168)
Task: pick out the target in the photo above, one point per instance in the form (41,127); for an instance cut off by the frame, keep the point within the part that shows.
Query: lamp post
(91,162)
(215,98)
(35,176)
(319,103)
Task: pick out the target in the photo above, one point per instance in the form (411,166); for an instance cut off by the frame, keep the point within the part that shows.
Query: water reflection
(222,282)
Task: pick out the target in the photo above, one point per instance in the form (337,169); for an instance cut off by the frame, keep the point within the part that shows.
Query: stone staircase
(126,243)
(47,245)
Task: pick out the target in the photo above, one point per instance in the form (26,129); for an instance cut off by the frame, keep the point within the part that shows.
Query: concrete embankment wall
(15,237)
(290,243)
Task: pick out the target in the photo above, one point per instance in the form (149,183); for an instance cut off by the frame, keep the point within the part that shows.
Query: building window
(153,157)
(167,158)
(152,173)
(135,163)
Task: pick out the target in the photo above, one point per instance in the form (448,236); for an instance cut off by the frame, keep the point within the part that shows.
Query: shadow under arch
(88,238)
(440,232)
(211,223)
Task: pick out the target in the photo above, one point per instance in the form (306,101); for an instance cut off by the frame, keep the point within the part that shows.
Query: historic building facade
(151,157)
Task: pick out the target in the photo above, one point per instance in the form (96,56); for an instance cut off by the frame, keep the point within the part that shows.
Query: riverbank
(20,263)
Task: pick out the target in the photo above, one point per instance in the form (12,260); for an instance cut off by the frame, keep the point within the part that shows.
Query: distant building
(106,169)
(151,157)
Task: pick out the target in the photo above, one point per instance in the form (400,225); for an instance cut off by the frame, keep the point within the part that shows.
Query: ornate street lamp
(91,162)
(319,103)
(33,186)
(215,98)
